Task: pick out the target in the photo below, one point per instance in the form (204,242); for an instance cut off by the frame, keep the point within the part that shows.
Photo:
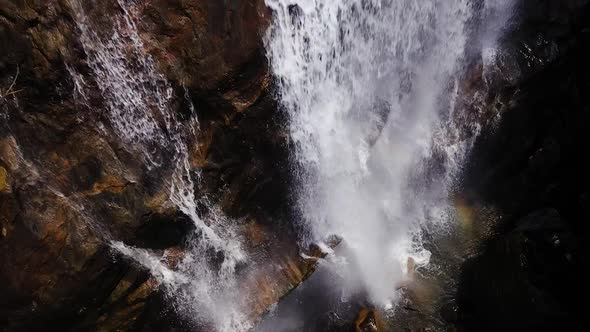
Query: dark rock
(528,279)
(449,311)
(529,276)
(161,231)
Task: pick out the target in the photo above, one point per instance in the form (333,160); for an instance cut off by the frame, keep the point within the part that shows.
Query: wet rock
(368,321)
(278,269)
(163,231)
(524,280)
(225,71)
(68,184)
(296,14)
(449,311)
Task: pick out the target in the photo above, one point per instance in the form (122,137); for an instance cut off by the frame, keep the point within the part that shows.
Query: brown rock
(368,320)
(280,267)
(4,186)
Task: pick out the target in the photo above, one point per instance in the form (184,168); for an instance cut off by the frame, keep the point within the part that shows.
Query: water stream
(370,89)
(138,109)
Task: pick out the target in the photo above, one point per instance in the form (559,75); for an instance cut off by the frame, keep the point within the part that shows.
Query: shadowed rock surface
(533,167)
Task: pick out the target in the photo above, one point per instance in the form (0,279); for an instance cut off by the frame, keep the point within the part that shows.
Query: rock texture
(532,167)
(368,320)
(67,182)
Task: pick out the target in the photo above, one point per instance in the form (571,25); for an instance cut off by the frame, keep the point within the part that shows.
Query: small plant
(4,94)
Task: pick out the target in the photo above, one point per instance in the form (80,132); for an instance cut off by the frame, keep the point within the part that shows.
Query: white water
(369,87)
(138,100)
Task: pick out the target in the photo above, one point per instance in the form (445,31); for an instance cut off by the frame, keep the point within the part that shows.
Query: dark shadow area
(533,167)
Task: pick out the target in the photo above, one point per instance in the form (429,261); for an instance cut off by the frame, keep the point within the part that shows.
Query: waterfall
(369,87)
(138,109)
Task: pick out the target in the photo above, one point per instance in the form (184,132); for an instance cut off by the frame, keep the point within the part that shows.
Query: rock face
(533,168)
(368,321)
(68,183)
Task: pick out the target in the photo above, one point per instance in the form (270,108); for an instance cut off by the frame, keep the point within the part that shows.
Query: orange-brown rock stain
(3,179)
(369,320)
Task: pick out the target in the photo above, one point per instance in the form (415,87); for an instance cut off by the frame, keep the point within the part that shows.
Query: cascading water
(139,112)
(369,88)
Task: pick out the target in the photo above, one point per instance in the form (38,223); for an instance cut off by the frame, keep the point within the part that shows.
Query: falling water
(370,87)
(138,100)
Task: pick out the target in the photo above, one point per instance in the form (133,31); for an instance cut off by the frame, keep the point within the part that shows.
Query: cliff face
(533,168)
(69,184)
